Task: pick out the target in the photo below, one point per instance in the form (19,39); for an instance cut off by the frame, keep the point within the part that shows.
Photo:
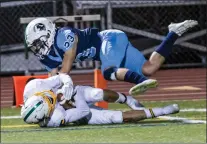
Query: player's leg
(93,95)
(164,49)
(114,53)
(162,52)
(110,117)
(136,115)
(117,97)
(132,71)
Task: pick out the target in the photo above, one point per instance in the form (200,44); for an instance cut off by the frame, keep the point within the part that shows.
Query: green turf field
(148,131)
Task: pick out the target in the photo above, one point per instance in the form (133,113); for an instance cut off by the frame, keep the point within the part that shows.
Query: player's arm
(67,41)
(61,80)
(71,114)
(53,72)
(58,80)
(69,57)
(81,110)
(66,104)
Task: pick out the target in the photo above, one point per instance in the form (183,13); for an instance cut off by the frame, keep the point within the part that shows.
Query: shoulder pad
(65,39)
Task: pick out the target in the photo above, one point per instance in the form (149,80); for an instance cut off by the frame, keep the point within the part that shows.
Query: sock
(134,77)
(122,98)
(153,112)
(166,46)
(113,76)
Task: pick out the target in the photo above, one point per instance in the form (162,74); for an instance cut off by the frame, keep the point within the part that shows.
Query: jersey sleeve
(47,67)
(49,64)
(38,85)
(57,118)
(65,39)
(82,109)
(53,82)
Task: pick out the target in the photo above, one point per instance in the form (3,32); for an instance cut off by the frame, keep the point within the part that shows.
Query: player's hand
(67,91)
(60,97)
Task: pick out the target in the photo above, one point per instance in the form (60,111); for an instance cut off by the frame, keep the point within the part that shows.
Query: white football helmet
(35,109)
(39,36)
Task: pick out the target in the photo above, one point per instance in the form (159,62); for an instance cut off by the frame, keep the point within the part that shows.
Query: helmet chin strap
(41,47)
(48,50)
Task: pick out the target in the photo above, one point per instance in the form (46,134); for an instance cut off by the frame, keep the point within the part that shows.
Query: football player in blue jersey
(119,59)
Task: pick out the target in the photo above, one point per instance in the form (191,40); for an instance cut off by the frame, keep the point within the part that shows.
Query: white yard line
(10,117)
(193,110)
(165,117)
(184,120)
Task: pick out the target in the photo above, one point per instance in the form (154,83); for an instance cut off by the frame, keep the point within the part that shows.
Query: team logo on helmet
(39,27)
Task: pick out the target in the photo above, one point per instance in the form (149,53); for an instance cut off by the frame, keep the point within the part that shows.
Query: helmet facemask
(40,47)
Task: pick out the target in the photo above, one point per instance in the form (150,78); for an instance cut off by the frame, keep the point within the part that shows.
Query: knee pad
(108,72)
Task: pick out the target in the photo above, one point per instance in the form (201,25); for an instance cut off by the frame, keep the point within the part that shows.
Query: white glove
(67,91)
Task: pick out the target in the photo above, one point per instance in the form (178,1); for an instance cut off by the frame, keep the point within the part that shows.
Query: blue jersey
(88,47)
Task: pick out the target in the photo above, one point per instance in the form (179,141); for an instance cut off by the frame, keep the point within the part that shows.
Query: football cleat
(180,28)
(142,87)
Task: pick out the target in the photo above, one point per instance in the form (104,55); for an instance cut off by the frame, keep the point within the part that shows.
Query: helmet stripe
(30,112)
(47,95)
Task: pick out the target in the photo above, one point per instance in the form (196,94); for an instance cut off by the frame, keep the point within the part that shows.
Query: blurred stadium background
(182,77)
